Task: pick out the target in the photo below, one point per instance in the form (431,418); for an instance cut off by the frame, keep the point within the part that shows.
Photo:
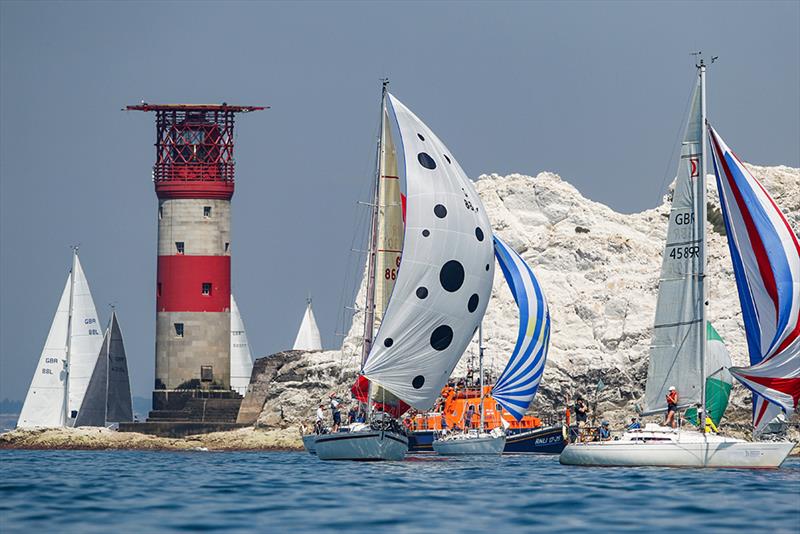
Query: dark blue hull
(546,440)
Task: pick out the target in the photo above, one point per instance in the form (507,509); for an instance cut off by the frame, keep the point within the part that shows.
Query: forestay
(679,332)
(44,403)
(445,277)
(241,359)
(520,379)
(766,263)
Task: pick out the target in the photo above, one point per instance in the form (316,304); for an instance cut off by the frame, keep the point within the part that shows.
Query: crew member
(337,412)
(581,411)
(603,433)
(672,406)
(635,424)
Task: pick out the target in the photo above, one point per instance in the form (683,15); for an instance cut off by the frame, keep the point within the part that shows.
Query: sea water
(132,491)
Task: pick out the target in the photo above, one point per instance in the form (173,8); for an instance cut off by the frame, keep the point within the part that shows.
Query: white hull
(668,448)
(468,445)
(308,443)
(366,444)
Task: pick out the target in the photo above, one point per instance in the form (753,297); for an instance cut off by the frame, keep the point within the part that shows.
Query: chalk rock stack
(599,270)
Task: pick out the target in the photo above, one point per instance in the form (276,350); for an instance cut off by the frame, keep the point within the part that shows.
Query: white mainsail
(308,337)
(445,277)
(241,359)
(679,329)
(44,403)
(389,245)
(85,339)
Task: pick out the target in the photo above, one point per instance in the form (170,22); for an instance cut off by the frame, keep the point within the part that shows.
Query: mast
(480,367)
(701,225)
(369,312)
(108,362)
(69,333)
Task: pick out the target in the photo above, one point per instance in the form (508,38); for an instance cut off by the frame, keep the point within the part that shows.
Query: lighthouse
(194,181)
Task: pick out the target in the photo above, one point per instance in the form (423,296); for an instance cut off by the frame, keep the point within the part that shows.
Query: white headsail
(44,403)
(679,329)
(308,337)
(241,359)
(445,277)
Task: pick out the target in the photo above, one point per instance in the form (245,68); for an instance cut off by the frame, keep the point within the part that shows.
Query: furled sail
(390,223)
(241,359)
(85,339)
(678,331)
(445,278)
(308,337)
(520,379)
(718,378)
(119,402)
(766,263)
(44,403)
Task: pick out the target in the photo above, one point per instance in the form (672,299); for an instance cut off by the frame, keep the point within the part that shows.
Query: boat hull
(308,443)
(367,445)
(738,454)
(484,445)
(543,440)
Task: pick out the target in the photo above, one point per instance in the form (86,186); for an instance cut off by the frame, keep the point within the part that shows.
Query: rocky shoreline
(91,438)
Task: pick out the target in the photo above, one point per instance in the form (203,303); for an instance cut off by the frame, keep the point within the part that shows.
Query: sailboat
(515,389)
(308,337)
(241,359)
(68,359)
(678,355)
(441,290)
(108,396)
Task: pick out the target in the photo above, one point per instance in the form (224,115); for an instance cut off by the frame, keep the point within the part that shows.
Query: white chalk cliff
(599,270)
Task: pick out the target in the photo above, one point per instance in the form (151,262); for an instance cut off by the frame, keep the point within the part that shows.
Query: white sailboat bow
(241,358)
(308,337)
(68,358)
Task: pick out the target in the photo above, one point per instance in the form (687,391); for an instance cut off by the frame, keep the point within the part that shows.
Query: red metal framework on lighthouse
(194,148)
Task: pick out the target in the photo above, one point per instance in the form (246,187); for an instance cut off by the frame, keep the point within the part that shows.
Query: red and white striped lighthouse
(194,181)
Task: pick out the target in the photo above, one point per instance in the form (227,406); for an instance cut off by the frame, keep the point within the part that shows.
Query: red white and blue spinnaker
(766,263)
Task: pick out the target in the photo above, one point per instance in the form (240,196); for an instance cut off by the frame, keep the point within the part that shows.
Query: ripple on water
(84,491)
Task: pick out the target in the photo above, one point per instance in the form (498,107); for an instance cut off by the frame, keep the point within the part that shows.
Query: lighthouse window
(226,246)
(206,211)
(206,288)
(159,289)
(206,373)
(178,329)
(160,212)
(179,247)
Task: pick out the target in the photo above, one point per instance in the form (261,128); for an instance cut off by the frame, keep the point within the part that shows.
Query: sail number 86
(679,253)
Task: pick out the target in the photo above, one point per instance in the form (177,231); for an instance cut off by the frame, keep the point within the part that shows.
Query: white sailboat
(108,396)
(519,381)
(241,358)
(308,337)
(68,359)
(678,355)
(440,294)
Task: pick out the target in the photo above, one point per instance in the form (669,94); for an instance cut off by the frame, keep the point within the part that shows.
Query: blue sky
(595,91)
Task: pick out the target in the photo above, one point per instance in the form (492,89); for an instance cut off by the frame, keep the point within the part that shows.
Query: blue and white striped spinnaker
(520,379)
